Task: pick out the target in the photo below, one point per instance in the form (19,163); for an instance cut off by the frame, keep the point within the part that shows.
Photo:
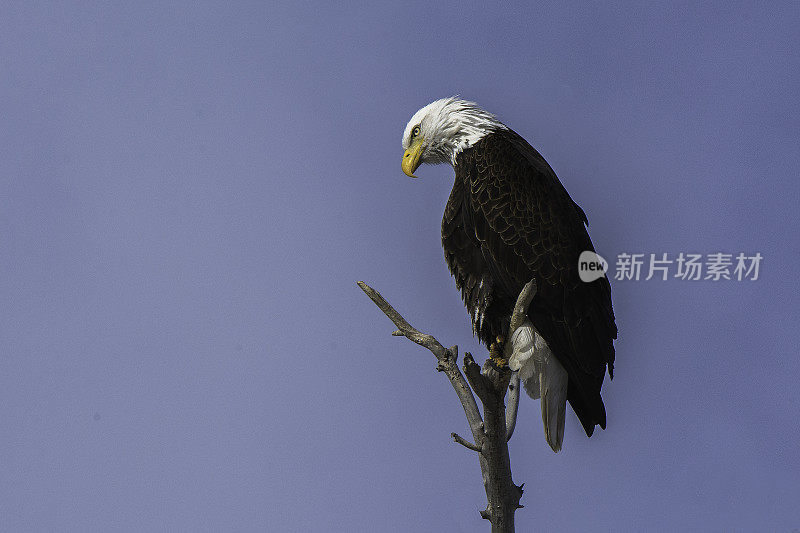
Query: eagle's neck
(470,125)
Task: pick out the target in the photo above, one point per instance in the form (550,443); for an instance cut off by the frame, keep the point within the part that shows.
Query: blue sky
(191,190)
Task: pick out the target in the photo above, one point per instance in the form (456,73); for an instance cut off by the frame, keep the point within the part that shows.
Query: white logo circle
(591,266)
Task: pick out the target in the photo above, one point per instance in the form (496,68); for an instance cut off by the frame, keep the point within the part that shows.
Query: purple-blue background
(189,193)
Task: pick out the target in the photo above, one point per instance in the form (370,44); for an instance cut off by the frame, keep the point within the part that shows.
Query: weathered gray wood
(490,432)
(517,318)
(445,356)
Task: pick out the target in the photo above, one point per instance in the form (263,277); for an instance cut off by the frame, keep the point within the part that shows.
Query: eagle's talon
(496,352)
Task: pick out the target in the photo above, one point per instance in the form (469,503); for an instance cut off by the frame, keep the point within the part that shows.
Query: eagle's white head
(440,130)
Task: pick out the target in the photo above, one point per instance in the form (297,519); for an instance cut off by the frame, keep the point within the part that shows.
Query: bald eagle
(509,220)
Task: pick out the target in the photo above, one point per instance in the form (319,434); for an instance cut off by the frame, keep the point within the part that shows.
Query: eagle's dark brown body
(509,220)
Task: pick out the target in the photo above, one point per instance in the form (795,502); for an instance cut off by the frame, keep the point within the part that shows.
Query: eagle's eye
(415,132)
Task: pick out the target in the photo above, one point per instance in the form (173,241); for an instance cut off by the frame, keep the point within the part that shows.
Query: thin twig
(423,339)
(465,443)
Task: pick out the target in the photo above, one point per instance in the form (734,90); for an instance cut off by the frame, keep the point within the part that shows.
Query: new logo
(591,266)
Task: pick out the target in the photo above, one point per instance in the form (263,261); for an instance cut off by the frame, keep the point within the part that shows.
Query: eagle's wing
(466,262)
(529,227)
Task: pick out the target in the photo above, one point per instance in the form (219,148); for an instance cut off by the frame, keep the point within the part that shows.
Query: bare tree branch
(424,340)
(513,405)
(490,432)
(517,319)
(502,494)
(446,358)
(521,307)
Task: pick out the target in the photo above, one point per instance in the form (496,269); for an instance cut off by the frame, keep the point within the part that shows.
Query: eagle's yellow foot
(496,352)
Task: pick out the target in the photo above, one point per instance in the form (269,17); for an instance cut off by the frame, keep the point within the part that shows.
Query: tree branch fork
(489,383)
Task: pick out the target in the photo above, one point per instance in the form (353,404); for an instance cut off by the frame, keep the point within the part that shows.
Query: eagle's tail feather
(543,377)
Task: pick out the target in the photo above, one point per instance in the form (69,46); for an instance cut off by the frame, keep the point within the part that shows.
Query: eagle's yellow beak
(411,159)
